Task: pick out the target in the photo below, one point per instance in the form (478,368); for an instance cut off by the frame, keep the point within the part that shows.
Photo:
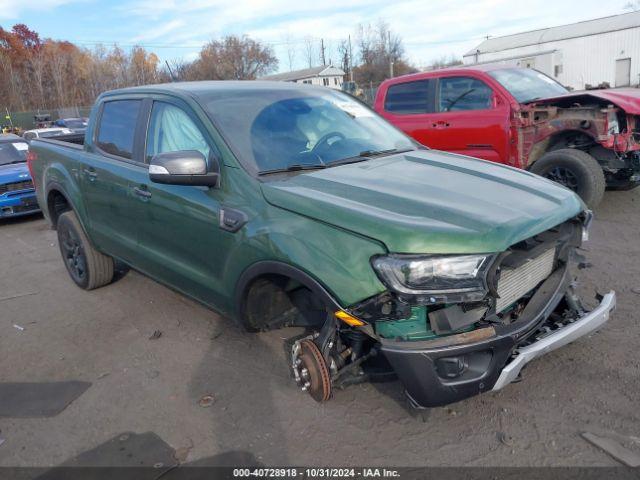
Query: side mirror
(187,167)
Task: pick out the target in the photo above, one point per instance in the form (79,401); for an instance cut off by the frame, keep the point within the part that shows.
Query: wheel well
(57,204)
(565,139)
(272,301)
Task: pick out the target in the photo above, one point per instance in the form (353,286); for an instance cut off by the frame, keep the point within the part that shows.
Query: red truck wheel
(576,170)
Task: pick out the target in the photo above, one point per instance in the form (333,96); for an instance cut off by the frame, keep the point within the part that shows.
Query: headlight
(434,275)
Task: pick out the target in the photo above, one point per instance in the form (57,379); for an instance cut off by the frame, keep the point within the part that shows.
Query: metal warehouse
(579,55)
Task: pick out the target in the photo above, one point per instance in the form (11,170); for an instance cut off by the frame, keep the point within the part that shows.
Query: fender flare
(266,267)
(58,187)
(53,185)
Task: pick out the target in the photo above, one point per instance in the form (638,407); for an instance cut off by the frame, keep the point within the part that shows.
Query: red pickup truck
(585,140)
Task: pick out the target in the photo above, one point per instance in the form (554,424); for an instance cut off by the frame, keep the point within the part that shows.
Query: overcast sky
(176,29)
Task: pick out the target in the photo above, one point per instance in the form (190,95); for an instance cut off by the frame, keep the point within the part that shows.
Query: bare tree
(378,48)
(633,6)
(444,62)
(343,54)
(290,50)
(309,50)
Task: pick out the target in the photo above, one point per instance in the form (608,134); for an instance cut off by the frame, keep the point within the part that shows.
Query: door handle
(440,124)
(142,192)
(90,173)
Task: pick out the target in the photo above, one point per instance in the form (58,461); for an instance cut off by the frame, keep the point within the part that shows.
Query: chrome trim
(157,170)
(585,325)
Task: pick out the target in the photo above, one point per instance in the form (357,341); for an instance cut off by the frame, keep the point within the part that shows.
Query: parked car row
(280,205)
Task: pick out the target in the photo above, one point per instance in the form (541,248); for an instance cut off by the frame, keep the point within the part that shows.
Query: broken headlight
(436,276)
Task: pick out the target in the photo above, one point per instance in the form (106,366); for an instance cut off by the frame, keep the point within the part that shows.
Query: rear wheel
(576,170)
(87,267)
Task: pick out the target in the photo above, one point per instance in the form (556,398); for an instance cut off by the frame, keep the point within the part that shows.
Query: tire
(576,170)
(87,267)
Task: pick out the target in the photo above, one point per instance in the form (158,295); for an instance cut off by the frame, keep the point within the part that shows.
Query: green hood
(429,202)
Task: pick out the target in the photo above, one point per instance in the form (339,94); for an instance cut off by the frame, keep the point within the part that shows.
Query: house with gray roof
(326,75)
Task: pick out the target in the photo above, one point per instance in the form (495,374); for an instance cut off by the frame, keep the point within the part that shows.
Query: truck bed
(74,140)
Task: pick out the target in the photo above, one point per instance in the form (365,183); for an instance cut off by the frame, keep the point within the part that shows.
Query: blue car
(17,195)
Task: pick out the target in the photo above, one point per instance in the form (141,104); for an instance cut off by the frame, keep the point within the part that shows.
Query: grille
(514,283)
(15,186)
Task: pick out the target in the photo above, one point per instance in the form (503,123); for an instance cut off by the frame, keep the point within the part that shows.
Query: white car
(45,133)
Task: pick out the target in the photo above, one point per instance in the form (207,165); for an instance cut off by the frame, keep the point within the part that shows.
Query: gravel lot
(142,385)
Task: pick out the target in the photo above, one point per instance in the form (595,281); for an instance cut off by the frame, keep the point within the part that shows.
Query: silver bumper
(585,325)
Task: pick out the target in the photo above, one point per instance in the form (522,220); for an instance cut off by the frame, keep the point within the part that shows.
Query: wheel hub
(563,176)
(74,255)
(310,370)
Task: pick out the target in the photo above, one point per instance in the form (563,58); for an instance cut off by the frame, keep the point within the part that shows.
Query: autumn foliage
(38,73)
(43,74)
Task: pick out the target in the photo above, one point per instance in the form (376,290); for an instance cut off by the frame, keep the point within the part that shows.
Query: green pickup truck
(282,205)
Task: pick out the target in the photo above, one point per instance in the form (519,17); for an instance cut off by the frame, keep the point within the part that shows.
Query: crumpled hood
(15,172)
(627,99)
(429,202)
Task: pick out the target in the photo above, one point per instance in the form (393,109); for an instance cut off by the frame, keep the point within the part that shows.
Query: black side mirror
(187,167)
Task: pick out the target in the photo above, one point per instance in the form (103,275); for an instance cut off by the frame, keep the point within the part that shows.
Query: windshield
(275,129)
(13,152)
(51,133)
(75,123)
(527,85)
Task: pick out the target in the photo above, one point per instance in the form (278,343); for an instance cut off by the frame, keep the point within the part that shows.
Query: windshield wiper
(293,168)
(458,98)
(367,154)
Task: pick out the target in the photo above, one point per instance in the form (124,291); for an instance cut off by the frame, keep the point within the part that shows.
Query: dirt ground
(142,385)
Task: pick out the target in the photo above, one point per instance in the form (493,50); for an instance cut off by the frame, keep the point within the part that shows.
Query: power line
(271,44)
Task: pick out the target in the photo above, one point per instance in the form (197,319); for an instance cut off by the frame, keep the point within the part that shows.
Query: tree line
(41,73)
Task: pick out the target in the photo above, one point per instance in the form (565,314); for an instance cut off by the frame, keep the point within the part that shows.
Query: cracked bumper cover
(492,362)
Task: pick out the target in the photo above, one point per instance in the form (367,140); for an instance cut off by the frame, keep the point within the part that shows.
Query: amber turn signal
(348,319)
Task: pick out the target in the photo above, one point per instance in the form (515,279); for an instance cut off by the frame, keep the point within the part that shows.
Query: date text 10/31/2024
(315,473)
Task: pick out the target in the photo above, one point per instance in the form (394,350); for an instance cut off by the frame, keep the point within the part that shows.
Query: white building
(580,54)
(326,75)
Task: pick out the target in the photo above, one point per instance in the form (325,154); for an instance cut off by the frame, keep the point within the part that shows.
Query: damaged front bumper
(450,369)
(585,325)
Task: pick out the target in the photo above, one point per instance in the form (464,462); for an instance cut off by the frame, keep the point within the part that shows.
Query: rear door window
(463,93)
(409,98)
(118,127)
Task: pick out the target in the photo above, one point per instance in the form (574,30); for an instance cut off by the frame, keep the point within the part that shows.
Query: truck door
(470,119)
(409,106)
(179,236)
(107,174)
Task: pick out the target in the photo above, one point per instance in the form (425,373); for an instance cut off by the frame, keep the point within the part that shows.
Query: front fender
(336,260)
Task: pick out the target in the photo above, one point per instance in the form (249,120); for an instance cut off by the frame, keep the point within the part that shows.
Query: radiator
(514,283)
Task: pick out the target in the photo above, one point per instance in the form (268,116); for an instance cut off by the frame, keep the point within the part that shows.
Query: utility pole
(324,62)
(173,78)
(390,56)
(350,61)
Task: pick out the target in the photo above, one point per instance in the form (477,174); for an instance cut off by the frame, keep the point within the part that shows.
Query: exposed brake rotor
(310,370)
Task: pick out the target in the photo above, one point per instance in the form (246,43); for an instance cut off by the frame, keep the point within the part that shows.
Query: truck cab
(520,117)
